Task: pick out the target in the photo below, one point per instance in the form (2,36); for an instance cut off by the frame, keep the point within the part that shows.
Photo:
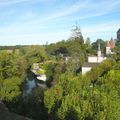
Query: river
(31,83)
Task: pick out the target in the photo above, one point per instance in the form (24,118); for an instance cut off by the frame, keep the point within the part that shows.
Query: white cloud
(34,38)
(104,30)
(96,9)
(4,3)
(30,26)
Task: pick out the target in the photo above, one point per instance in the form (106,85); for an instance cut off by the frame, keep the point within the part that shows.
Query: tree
(102,44)
(97,102)
(88,42)
(9,88)
(35,54)
(77,35)
(116,55)
(10,76)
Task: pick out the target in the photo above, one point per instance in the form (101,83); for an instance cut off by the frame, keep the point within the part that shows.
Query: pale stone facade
(95,59)
(86,69)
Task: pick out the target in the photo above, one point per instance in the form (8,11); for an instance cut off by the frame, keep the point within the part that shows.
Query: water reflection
(43,86)
(31,83)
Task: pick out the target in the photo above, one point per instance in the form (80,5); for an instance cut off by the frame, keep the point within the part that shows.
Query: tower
(108,48)
(99,54)
(112,43)
(99,51)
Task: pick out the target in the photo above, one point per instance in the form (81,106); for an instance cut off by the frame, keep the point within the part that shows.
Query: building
(88,66)
(110,45)
(96,59)
(93,61)
(118,35)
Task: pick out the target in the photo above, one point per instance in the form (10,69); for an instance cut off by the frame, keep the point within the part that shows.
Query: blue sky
(38,21)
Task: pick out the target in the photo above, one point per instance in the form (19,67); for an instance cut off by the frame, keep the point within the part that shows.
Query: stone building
(93,61)
(110,45)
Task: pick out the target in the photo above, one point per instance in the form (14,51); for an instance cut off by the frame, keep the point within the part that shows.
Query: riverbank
(39,71)
(31,83)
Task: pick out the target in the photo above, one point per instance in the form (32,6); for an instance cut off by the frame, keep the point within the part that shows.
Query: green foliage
(88,42)
(9,88)
(116,55)
(22,66)
(88,97)
(56,49)
(7,65)
(99,71)
(41,71)
(52,100)
(34,54)
(102,44)
(50,70)
(12,74)
(93,96)
(77,35)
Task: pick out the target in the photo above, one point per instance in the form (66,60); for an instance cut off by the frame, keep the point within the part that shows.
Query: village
(59,59)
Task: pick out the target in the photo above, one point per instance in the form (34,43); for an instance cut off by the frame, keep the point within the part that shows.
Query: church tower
(99,54)
(99,51)
(108,48)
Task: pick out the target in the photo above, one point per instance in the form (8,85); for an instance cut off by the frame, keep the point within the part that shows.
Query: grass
(41,71)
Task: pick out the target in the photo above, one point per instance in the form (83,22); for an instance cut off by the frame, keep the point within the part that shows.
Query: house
(93,61)
(96,59)
(110,45)
(88,66)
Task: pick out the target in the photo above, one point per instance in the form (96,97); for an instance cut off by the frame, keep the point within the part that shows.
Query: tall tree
(88,42)
(102,44)
(10,76)
(77,35)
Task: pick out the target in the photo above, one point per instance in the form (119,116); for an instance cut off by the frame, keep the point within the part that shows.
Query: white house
(93,61)
(88,66)
(96,59)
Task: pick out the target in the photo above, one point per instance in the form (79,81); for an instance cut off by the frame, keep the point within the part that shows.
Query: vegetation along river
(31,83)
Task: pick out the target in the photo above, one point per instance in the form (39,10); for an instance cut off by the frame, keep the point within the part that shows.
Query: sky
(25,22)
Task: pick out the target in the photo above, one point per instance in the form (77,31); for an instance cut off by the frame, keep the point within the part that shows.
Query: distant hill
(12,47)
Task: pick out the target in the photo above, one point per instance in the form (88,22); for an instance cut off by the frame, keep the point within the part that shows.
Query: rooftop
(90,64)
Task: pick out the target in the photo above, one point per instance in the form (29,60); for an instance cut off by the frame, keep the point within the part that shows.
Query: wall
(85,69)
(96,59)
(92,59)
